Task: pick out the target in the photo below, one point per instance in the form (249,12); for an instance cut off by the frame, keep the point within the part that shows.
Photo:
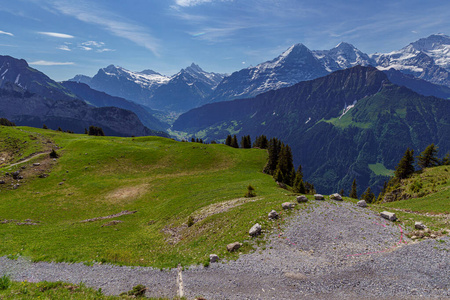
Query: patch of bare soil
(25,222)
(126,194)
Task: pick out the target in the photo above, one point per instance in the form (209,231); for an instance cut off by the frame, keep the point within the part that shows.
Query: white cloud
(85,48)
(88,12)
(64,47)
(186,3)
(105,50)
(57,35)
(93,43)
(50,63)
(6,33)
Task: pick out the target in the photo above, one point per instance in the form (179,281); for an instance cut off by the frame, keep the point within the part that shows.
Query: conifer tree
(228,140)
(234,142)
(446,160)
(428,157)
(261,142)
(86,131)
(368,195)
(246,142)
(274,150)
(59,129)
(406,165)
(44,126)
(353,192)
(278,175)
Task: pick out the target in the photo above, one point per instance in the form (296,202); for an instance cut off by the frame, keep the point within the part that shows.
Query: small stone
(36,164)
(427,230)
(336,197)
(287,205)
(20,177)
(419,225)
(61,183)
(414,237)
(433,236)
(281,185)
(362,203)
(233,246)
(319,197)
(388,215)
(2,182)
(213,258)
(24,167)
(302,199)
(255,230)
(16,186)
(273,215)
(43,175)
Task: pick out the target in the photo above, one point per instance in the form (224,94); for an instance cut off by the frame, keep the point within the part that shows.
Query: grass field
(163,180)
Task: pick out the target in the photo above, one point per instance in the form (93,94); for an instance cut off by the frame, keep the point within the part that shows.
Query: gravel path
(325,250)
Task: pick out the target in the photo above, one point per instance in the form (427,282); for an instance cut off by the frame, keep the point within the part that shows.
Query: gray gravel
(325,250)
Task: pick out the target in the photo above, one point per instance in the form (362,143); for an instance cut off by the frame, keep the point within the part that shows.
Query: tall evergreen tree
(234,142)
(261,142)
(406,165)
(368,195)
(353,191)
(428,157)
(285,164)
(341,192)
(246,142)
(446,160)
(228,140)
(274,150)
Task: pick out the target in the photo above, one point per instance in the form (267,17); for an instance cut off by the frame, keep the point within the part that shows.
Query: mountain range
(352,123)
(29,97)
(427,59)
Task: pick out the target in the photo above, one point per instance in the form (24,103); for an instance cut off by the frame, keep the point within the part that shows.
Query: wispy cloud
(64,48)
(50,63)
(88,12)
(6,33)
(105,50)
(93,43)
(57,35)
(186,3)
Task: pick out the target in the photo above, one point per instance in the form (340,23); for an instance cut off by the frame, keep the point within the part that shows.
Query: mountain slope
(295,64)
(337,125)
(20,73)
(101,99)
(25,108)
(342,56)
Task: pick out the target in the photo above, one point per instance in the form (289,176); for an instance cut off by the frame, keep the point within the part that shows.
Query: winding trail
(30,157)
(310,258)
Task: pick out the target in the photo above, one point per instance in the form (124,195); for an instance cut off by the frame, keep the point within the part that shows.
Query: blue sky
(64,38)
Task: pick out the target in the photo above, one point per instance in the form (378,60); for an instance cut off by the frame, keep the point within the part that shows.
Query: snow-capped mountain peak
(343,56)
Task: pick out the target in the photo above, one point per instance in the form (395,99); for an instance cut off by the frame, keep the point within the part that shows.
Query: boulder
(388,215)
(302,199)
(255,230)
(287,205)
(36,164)
(213,258)
(433,236)
(336,197)
(419,225)
(319,197)
(233,246)
(273,215)
(362,203)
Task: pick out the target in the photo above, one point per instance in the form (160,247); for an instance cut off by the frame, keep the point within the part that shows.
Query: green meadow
(163,180)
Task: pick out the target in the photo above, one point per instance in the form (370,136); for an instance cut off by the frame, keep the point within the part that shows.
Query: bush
(190,221)
(250,192)
(137,291)
(5,282)
(53,154)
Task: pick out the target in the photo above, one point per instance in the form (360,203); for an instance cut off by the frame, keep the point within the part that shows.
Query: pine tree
(86,131)
(446,160)
(192,140)
(341,192)
(234,142)
(278,175)
(228,140)
(246,142)
(261,142)
(44,126)
(428,157)
(406,165)
(368,195)
(59,129)
(285,164)
(353,192)
(274,150)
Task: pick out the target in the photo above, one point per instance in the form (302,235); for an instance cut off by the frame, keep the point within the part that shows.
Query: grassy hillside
(163,180)
(427,191)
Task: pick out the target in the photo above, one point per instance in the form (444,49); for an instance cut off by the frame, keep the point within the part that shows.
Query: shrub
(190,221)
(53,154)
(5,282)
(137,291)
(250,192)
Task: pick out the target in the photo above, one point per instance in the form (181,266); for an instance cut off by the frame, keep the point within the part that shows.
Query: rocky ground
(325,250)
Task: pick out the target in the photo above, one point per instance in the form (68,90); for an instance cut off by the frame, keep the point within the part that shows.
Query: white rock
(302,199)
(233,246)
(319,197)
(362,203)
(273,215)
(255,230)
(287,205)
(213,258)
(388,215)
(419,225)
(336,197)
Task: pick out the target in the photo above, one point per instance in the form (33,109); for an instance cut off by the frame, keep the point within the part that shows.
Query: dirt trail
(34,155)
